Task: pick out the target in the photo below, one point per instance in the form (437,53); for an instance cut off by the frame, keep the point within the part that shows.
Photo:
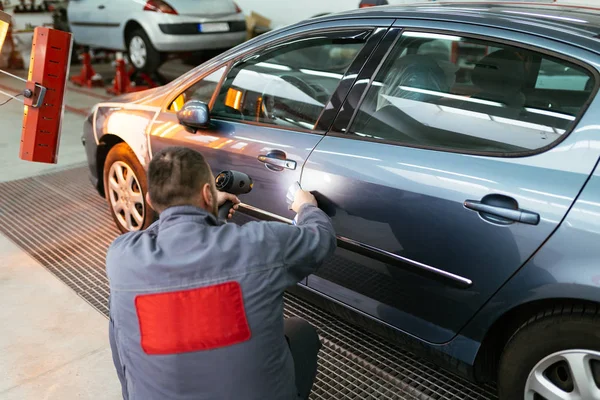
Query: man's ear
(207,195)
(148,200)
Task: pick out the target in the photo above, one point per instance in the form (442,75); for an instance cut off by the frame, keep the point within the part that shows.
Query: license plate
(211,27)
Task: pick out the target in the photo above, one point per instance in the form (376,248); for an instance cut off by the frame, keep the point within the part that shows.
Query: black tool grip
(224,210)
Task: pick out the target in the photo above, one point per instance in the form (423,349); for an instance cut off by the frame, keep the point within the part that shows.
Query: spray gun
(232,182)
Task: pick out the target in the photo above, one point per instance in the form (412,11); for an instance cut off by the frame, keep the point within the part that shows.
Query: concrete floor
(53,345)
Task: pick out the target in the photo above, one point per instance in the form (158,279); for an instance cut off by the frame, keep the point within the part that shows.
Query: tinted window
(202,90)
(288,86)
(470,95)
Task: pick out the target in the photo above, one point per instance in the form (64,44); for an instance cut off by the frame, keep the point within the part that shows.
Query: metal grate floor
(60,220)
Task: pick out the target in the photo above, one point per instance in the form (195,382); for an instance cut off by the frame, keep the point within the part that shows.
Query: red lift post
(87,77)
(124,80)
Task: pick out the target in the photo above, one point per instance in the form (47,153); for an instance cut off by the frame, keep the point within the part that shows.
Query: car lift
(44,92)
(124,81)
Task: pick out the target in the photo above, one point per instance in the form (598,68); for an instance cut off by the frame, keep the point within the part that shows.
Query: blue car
(455,147)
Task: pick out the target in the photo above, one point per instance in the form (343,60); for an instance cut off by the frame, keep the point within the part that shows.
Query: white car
(149,29)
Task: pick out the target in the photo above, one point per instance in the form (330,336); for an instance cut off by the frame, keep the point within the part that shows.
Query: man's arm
(306,245)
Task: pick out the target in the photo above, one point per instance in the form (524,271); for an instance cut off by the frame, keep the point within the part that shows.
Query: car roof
(562,21)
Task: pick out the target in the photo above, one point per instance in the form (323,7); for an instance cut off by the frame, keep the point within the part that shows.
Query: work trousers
(304,345)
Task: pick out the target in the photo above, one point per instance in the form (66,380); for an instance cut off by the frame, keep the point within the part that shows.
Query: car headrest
(501,72)
(417,71)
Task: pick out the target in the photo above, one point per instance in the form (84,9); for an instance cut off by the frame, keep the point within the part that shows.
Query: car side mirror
(194,115)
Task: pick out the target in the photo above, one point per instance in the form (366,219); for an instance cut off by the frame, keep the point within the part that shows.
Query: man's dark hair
(176,176)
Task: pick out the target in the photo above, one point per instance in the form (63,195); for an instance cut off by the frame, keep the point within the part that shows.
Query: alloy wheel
(565,375)
(138,53)
(126,197)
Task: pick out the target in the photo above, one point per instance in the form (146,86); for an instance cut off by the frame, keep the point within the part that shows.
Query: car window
(202,90)
(287,86)
(476,96)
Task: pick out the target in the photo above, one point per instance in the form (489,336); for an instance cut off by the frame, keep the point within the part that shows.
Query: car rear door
(271,108)
(457,166)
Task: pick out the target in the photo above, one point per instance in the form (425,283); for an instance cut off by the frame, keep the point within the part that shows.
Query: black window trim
(366,28)
(346,133)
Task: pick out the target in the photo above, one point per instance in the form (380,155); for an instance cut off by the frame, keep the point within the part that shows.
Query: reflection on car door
(428,230)
(265,114)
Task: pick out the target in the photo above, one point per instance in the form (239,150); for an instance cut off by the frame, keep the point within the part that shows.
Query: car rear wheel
(125,187)
(554,356)
(142,55)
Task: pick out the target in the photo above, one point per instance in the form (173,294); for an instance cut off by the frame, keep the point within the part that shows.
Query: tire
(550,343)
(128,194)
(142,54)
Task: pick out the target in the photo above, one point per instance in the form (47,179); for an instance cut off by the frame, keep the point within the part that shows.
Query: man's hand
(223,197)
(301,198)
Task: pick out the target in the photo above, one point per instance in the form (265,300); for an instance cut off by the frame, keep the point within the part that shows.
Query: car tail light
(237,8)
(366,5)
(159,6)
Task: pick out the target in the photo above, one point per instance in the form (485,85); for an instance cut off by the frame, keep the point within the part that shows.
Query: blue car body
(415,261)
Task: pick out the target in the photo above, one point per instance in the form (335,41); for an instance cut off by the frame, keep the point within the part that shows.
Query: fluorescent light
(451,96)
(322,73)
(273,66)
(551,114)
(347,155)
(468,113)
(262,141)
(447,172)
(427,35)
(547,16)
(523,124)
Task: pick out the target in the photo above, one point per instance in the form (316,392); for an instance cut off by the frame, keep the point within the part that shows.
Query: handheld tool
(233,182)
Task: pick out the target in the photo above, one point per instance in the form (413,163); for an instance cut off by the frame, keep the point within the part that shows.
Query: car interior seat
(500,76)
(418,72)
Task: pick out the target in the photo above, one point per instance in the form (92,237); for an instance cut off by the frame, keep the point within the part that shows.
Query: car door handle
(101,6)
(275,159)
(491,208)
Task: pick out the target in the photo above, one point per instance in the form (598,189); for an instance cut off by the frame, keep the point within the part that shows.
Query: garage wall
(288,12)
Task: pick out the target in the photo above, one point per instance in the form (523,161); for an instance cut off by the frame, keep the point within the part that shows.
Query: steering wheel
(300,84)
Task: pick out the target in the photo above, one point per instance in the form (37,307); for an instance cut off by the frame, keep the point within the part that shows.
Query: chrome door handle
(279,163)
(510,214)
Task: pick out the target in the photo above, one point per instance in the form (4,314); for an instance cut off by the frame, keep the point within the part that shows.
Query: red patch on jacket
(192,320)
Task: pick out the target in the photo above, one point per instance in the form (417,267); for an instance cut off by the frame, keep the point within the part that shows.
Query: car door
(446,171)
(97,23)
(270,109)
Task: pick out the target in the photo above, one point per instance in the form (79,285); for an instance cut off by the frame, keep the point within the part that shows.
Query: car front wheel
(554,356)
(125,187)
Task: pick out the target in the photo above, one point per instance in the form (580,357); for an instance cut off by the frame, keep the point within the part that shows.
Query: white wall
(285,12)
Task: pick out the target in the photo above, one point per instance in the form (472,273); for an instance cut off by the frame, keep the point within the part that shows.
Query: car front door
(461,160)
(97,23)
(270,109)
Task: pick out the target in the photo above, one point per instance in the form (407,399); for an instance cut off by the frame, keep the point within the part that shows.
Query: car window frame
(346,133)
(376,28)
(171,98)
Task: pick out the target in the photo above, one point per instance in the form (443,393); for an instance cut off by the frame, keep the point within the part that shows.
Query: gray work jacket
(189,249)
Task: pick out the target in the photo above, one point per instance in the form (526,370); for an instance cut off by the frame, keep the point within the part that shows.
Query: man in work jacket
(196,305)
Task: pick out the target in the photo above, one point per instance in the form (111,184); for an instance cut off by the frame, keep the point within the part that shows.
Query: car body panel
(102,24)
(566,268)
(362,182)
(129,122)
(382,197)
